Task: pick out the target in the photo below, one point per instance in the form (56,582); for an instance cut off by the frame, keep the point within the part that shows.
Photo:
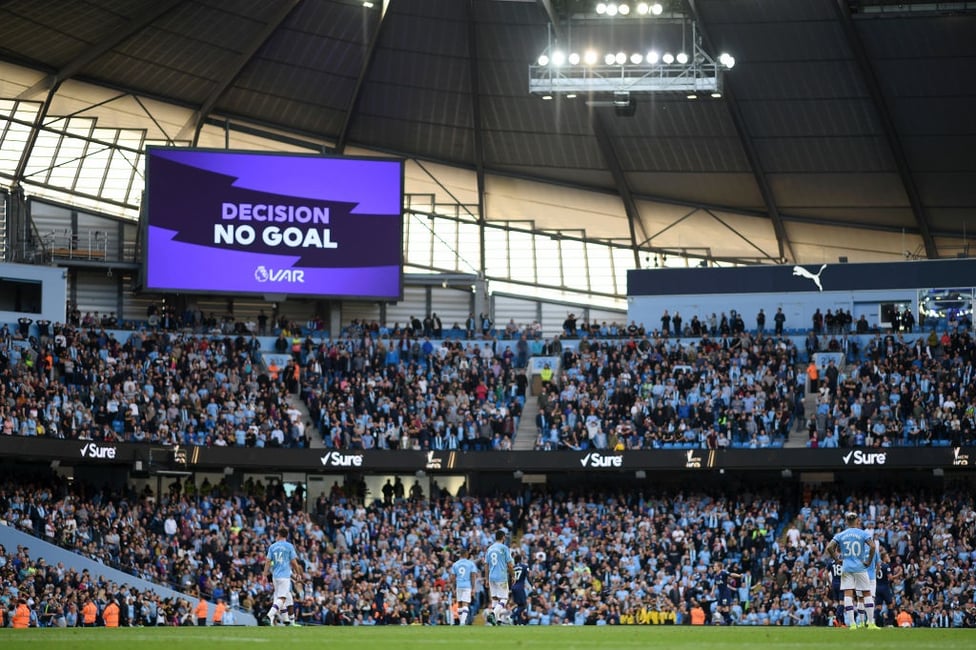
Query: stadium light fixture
(657,9)
(601,8)
(624,9)
(643,8)
(689,71)
(612,9)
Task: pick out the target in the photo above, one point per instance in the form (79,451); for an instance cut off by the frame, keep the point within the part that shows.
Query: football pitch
(486,638)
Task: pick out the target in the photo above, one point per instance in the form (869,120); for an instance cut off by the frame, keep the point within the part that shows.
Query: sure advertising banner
(246,222)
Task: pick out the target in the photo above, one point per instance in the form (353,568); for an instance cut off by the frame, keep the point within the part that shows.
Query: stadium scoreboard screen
(248,222)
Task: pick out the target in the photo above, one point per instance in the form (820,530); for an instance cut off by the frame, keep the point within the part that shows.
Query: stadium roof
(846,128)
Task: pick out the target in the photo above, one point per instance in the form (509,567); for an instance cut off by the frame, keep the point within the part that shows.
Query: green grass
(487,638)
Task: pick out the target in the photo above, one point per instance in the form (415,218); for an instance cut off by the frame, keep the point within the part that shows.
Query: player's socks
(463,615)
(849,613)
(273,614)
(869,614)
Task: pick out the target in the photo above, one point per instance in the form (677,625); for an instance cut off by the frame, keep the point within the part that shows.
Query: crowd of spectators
(635,556)
(721,385)
(917,393)
(164,387)
(407,393)
(734,390)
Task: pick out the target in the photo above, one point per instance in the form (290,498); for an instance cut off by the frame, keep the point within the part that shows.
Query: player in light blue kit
(498,559)
(855,547)
(282,563)
(463,571)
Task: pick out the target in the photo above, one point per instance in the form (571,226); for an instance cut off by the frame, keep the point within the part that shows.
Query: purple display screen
(245,222)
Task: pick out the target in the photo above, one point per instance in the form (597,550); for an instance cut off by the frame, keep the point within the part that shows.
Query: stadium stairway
(314,435)
(798,439)
(11,538)
(526,434)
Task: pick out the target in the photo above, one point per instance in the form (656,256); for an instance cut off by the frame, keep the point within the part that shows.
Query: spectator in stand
(779,320)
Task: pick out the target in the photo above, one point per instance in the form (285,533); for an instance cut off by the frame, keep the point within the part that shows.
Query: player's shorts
(883,595)
(857,580)
(498,590)
(464,594)
(835,590)
(519,597)
(282,589)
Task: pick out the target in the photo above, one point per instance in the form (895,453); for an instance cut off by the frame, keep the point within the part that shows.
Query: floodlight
(726,59)
(682,58)
(668,58)
(653,57)
(612,9)
(547,97)
(656,8)
(636,58)
(543,59)
(558,57)
(717,95)
(620,59)
(574,58)
(590,57)
(643,8)
(624,10)
(571,96)
(608,58)
(601,8)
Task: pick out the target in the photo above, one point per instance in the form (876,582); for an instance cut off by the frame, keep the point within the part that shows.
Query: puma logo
(803,273)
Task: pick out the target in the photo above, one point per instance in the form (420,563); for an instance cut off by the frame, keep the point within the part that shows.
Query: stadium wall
(799,290)
(53,293)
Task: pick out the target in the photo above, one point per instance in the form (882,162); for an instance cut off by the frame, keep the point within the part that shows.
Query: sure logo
(858,457)
(267,274)
(599,460)
(339,459)
(92,450)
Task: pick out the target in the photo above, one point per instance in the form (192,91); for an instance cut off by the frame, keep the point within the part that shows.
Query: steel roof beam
(617,172)
(343,137)
(749,146)
(229,76)
(870,78)
(479,145)
(53,81)
(139,22)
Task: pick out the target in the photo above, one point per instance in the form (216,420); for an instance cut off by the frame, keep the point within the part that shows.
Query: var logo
(859,457)
(267,274)
(91,450)
(599,460)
